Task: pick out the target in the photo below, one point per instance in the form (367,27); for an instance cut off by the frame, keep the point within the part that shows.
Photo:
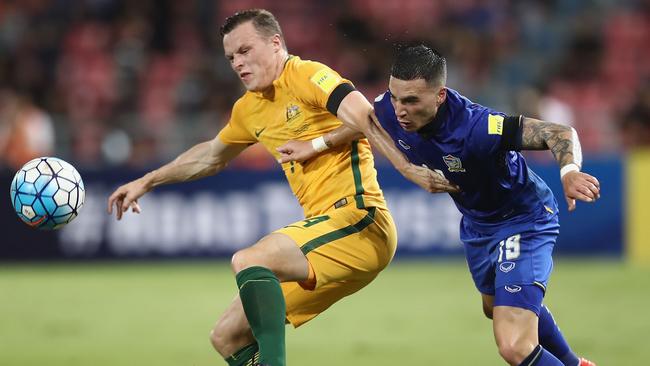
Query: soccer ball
(47,193)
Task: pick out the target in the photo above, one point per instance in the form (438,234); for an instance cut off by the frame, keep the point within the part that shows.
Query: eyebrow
(406,99)
(239,50)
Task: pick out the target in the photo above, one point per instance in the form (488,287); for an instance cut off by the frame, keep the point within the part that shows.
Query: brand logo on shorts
(512,288)
(506,267)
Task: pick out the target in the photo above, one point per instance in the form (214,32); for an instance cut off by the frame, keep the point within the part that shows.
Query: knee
(238,261)
(514,352)
(243,259)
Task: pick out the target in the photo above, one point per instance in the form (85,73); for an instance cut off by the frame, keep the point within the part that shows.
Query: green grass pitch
(420,312)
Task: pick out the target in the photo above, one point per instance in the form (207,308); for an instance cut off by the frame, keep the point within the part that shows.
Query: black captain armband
(336,97)
(512,133)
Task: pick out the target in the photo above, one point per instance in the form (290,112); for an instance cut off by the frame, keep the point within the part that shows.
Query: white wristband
(569,168)
(319,144)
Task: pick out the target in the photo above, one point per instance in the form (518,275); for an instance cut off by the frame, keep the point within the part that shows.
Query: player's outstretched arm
(564,143)
(357,116)
(356,113)
(204,159)
(300,151)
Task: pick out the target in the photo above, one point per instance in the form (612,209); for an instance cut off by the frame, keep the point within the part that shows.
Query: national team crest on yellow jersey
(293,111)
(454,164)
(294,114)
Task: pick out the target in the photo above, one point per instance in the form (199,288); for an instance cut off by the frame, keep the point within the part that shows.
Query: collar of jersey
(429,130)
(270,94)
(284,67)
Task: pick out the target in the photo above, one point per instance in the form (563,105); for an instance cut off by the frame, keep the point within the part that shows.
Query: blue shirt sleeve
(486,133)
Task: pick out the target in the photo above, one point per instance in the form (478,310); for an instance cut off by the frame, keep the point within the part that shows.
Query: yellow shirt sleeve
(235,132)
(314,82)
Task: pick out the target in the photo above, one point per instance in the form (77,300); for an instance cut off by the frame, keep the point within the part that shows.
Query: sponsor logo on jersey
(453,163)
(326,80)
(512,288)
(506,267)
(259,132)
(404,145)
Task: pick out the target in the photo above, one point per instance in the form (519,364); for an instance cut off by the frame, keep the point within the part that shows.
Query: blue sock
(552,339)
(540,357)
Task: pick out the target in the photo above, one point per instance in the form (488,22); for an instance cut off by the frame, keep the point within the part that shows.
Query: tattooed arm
(560,139)
(563,142)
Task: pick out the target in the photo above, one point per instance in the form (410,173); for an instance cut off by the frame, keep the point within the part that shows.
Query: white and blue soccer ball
(47,193)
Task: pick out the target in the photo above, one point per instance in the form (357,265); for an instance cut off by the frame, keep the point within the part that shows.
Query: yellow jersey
(297,110)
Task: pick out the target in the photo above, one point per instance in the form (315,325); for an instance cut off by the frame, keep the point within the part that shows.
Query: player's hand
(126,197)
(580,186)
(431,181)
(295,150)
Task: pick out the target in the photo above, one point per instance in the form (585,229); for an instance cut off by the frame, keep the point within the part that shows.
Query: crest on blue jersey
(454,164)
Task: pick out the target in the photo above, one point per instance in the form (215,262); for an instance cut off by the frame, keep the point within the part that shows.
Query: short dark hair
(263,21)
(419,62)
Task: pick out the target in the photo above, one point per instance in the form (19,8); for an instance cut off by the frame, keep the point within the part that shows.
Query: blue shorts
(512,254)
(525,296)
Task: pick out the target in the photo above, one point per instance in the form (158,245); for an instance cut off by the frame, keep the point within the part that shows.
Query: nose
(400,111)
(237,62)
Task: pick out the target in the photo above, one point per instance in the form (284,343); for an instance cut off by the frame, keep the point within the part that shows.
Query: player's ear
(442,95)
(277,42)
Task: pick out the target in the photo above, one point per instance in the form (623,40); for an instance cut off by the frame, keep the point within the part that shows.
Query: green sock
(261,295)
(247,356)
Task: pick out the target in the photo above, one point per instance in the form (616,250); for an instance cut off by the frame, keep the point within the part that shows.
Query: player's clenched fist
(294,150)
(580,186)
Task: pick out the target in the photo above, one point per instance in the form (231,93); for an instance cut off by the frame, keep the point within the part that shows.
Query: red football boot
(585,362)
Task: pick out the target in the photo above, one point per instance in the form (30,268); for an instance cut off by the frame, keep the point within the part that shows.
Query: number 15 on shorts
(509,247)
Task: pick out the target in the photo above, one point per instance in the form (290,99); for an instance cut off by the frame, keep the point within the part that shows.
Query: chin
(255,86)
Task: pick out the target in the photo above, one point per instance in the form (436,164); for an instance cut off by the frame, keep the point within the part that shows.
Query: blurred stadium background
(120,87)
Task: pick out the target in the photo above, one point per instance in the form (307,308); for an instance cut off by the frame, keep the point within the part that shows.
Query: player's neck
(281,62)
(282,59)
(429,129)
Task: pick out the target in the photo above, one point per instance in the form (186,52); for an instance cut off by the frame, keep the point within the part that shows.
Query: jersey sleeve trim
(337,95)
(512,133)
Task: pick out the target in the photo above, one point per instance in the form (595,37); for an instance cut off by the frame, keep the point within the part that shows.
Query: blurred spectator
(540,103)
(635,124)
(87,73)
(150,75)
(26,131)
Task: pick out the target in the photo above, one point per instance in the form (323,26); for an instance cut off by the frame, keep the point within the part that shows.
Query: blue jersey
(497,187)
